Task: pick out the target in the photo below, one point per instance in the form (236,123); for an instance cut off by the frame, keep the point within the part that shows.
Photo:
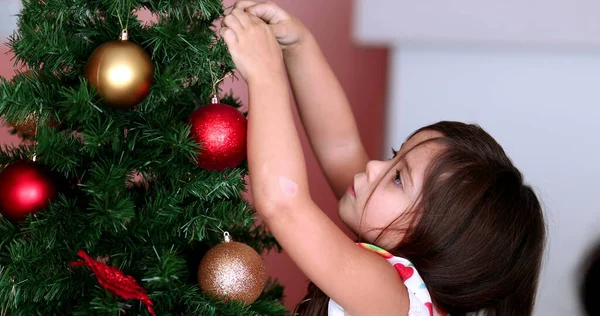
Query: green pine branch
(131,192)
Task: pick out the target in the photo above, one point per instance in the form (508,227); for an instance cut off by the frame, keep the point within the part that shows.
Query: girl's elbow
(273,206)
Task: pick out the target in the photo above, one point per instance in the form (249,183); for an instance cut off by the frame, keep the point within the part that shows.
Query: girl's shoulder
(420,299)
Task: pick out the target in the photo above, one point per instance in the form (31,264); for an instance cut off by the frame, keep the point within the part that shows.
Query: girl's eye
(398,179)
(394,152)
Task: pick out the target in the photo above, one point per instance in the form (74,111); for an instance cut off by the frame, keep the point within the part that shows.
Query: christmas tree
(128,177)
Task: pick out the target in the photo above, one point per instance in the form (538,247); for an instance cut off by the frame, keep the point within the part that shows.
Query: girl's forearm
(320,96)
(325,112)
(276,161)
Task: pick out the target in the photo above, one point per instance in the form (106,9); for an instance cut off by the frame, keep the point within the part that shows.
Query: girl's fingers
(255,19)
(268,12)
(228,35)
(242,17)
(242,5)
(232,22)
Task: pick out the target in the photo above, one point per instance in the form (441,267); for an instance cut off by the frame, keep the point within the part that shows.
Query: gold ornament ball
(233,271)
(121,72)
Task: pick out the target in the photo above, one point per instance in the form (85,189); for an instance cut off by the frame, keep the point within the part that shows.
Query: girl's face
(393,187)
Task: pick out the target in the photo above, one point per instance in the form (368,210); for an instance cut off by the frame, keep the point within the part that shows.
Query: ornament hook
(217,82)
(37,123)
(215,99)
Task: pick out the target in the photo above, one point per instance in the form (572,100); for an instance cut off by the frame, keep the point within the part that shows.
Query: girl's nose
(374,170)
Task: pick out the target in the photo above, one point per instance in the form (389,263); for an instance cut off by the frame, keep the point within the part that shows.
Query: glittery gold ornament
(233,271)
(30,124)
(121,72)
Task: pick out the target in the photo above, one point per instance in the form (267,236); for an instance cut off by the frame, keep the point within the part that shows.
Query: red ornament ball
(221,131)
(25,188)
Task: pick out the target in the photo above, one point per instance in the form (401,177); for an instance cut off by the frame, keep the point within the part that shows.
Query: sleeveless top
(419,298)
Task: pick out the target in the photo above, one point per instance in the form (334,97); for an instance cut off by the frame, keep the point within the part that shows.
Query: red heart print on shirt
(430,308)
(404,271)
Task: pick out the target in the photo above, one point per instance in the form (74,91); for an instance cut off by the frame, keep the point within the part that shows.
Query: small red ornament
(115,281)
(25,188)
(221,131)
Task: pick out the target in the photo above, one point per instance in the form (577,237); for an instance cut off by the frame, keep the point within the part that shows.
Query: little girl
(461,231)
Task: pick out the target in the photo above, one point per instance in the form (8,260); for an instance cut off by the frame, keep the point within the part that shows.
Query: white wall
(515,22)
(8,19)
(537,93)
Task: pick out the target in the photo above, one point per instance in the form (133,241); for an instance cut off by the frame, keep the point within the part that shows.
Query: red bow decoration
(115,281)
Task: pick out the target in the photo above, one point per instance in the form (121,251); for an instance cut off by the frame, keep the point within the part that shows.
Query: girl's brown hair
(479,236)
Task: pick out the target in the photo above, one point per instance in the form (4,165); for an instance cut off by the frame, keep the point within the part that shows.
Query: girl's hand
(253,47)
(288,30)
